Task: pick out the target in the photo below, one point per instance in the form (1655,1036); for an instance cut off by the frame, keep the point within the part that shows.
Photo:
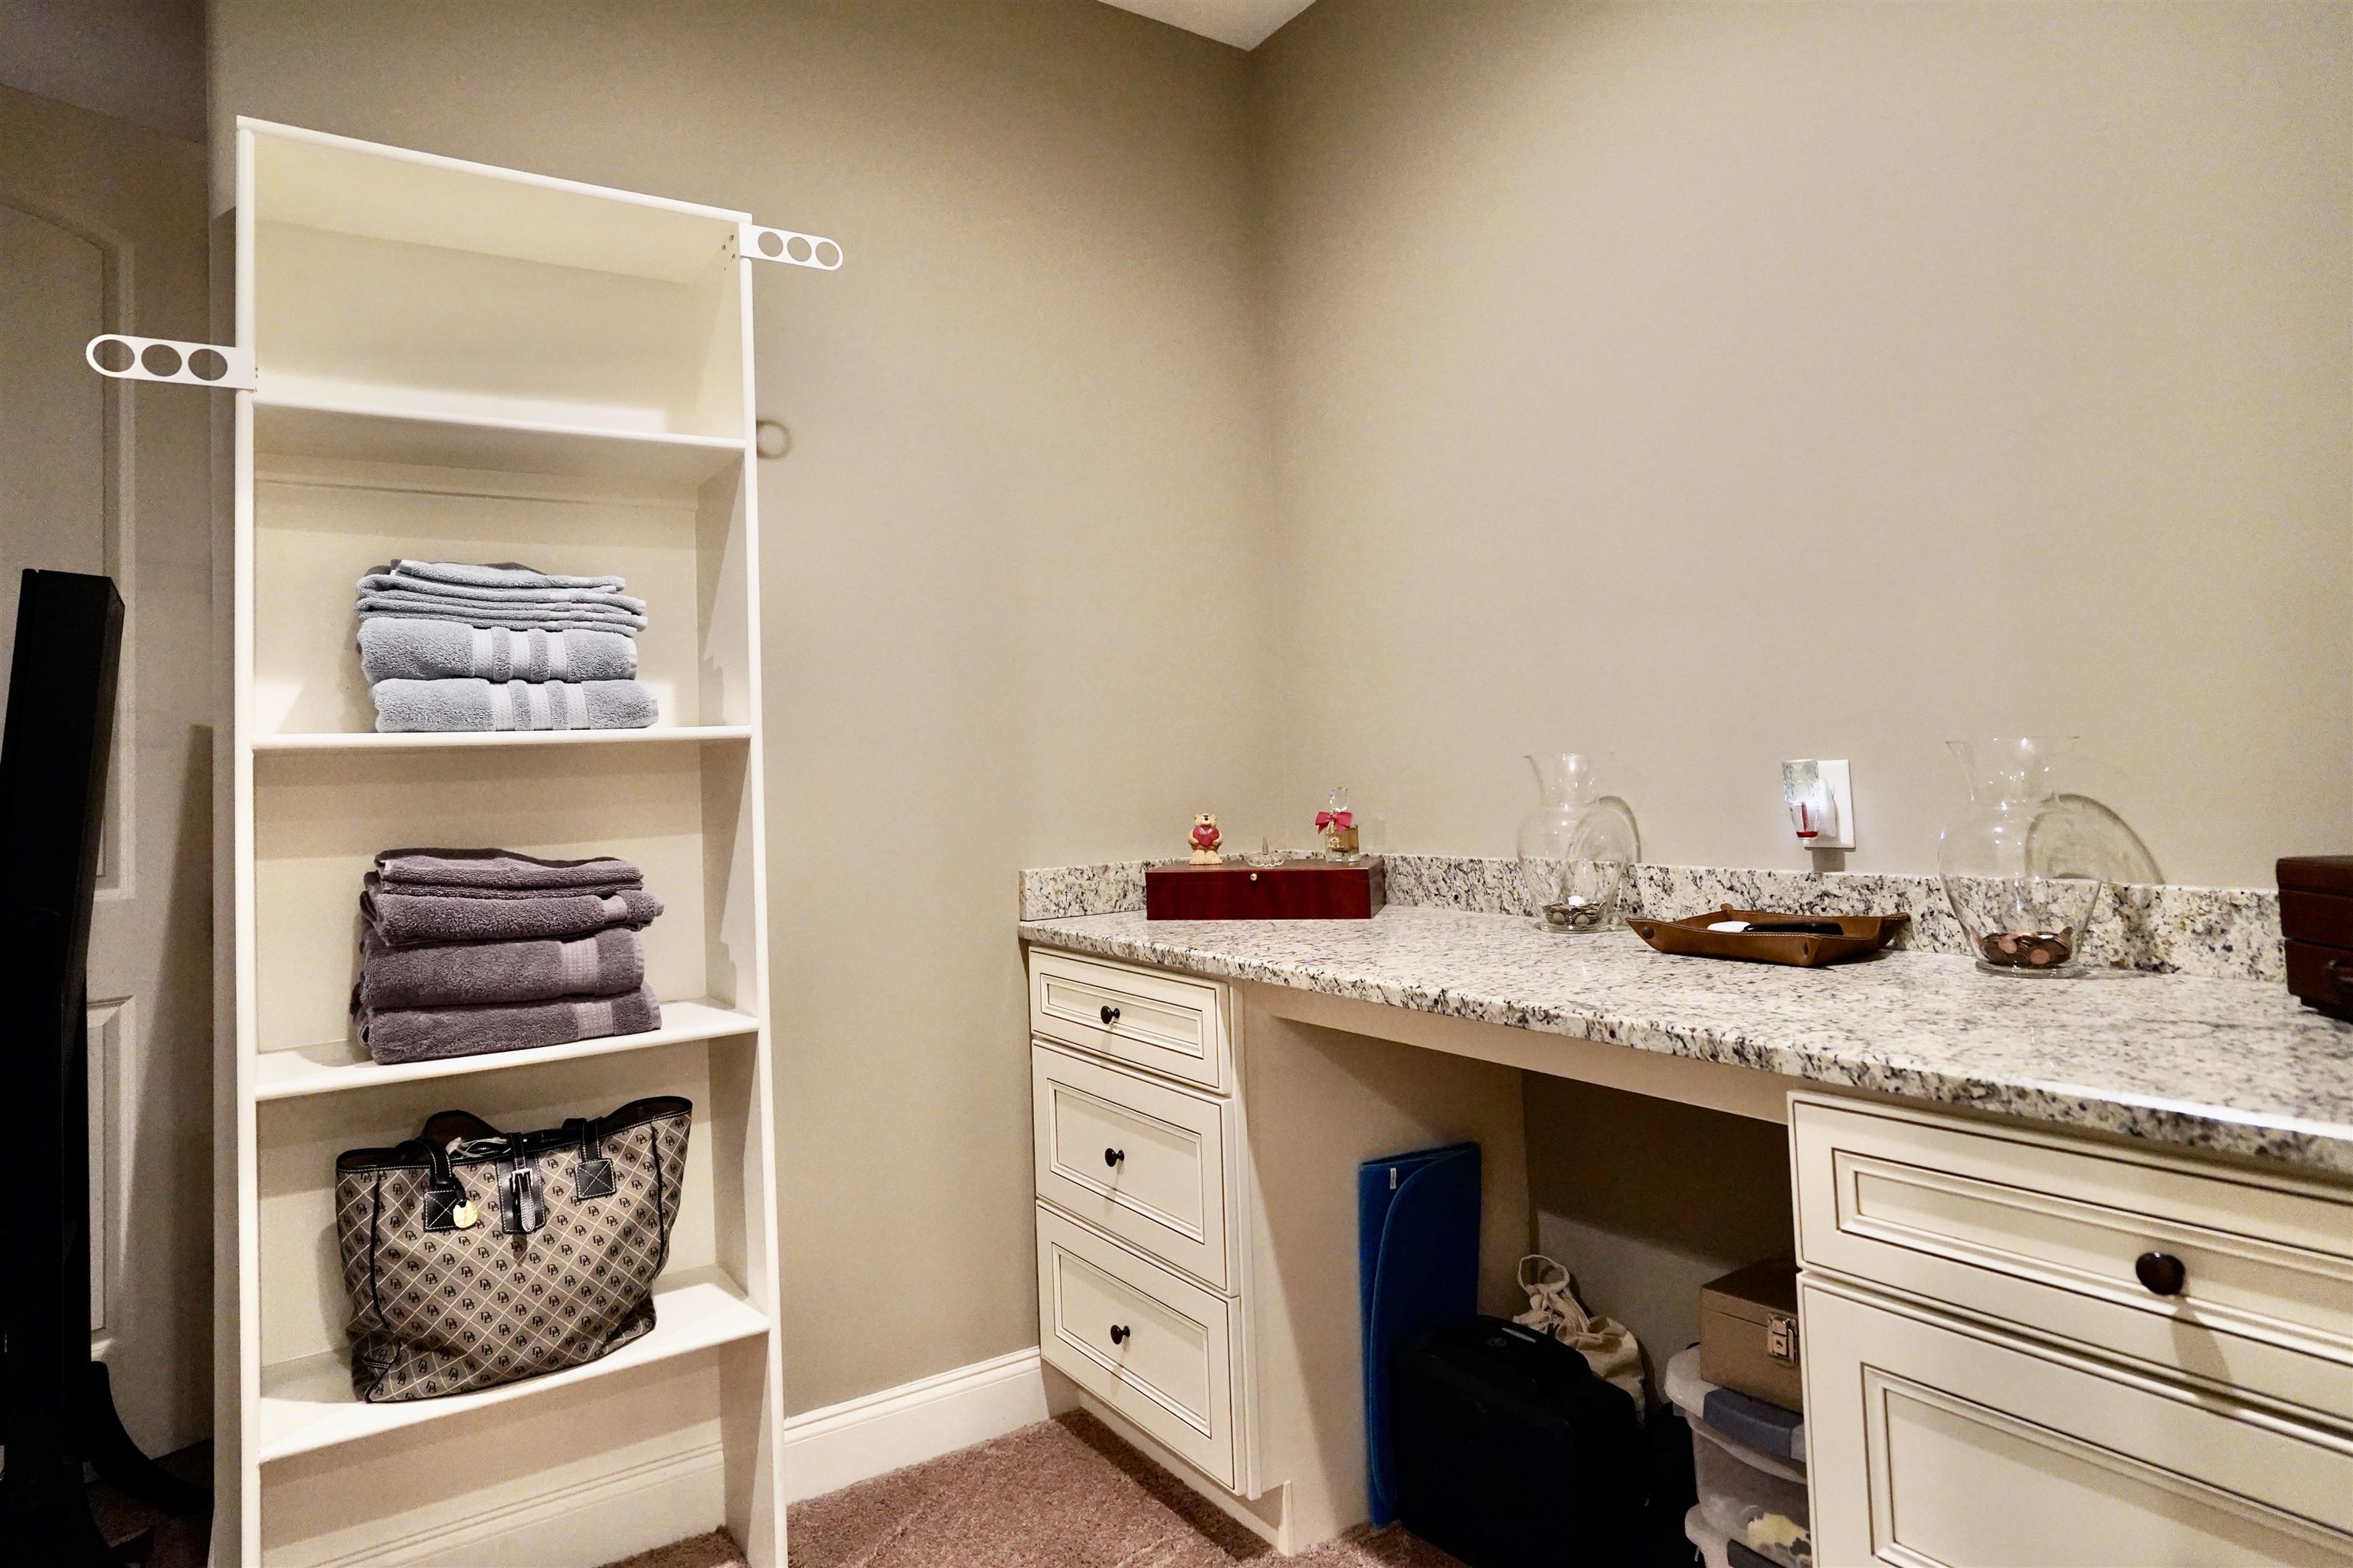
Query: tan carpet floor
(1065,1493)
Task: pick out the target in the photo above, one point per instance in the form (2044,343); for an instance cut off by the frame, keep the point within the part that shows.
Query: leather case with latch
(1748,1332)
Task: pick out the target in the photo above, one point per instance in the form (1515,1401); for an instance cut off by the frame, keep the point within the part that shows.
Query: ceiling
(1245,24)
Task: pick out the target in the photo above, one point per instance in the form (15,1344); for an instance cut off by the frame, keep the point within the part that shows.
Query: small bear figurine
(1205,839)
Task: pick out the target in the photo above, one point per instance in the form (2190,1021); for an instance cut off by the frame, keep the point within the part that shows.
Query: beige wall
(1992,365)
(1646,1200)
(1703,385)
(140,60)
(1010,613)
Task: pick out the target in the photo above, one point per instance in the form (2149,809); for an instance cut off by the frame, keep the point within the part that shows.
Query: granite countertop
(2232,1066)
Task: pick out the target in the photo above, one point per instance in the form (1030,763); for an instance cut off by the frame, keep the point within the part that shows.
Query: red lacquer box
(1295,890)
(2316,918)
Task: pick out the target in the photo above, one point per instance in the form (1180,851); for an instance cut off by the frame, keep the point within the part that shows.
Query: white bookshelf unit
(451,361)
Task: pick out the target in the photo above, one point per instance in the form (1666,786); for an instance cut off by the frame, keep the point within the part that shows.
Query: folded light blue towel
(454,707)
(499,574)
(552,616)
(420,648)
(489,593)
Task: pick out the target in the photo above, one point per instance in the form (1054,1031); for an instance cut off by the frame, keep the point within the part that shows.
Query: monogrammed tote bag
(475,1257)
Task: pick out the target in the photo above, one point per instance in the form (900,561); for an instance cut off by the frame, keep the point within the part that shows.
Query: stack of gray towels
(449,646)
(467,951)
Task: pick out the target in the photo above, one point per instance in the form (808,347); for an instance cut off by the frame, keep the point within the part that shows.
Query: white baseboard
(862,1438)
(635,1509)
(591,1510)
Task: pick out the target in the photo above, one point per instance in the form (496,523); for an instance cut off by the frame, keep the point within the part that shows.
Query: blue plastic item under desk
(1767,1427)
(1416,1265)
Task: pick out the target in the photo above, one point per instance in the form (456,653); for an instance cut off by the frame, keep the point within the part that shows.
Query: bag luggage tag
(592,1176)
(446,1205)
(451,1211)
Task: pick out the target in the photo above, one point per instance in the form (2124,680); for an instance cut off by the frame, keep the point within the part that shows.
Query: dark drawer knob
(1114,1156)
(1110,1016)
(1119,1332)
(2161,1272)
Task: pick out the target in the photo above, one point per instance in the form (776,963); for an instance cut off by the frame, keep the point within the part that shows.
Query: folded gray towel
(468,974)
(551,617)
(469,593)
(405,648)
(430,1034)
(461,705)
(496,872)
(497,574)
(424,916)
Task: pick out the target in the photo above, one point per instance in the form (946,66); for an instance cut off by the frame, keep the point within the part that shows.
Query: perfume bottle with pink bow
(1337,824)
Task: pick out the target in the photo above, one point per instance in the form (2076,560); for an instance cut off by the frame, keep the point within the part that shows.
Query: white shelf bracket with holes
(131,358)
(787,245)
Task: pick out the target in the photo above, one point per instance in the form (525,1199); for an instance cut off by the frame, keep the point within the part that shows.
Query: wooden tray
(1864,935)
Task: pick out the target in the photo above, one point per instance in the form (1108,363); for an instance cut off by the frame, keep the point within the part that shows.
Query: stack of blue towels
(449,646)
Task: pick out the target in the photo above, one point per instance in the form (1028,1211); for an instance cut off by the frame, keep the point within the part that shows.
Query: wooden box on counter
(2316,918)
(1295,890)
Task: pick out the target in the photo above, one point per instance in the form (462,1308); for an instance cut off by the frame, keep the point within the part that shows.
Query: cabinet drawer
(1933,1442)
(1151,1344)
(2044,1232)
(1156,1021)
(1137,1158)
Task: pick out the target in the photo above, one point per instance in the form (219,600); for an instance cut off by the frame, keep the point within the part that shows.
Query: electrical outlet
(1820,796)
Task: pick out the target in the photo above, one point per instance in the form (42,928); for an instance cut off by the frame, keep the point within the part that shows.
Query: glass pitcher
(1576,848)
(2022,873)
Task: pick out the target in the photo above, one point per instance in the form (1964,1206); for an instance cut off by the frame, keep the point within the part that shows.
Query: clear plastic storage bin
(1714,1545)
(1741,1489)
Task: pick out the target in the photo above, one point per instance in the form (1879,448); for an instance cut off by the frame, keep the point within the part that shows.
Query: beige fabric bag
(1607,1345)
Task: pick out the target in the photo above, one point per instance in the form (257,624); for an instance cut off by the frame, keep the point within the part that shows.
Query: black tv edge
(57,1410)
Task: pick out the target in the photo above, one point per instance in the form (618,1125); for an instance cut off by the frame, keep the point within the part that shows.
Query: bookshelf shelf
(376,426)
(307,1404)
(492,740)
(332,1066)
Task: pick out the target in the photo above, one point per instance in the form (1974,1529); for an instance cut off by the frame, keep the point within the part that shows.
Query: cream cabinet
(2028,1349)
(1142,1160)
(1143,1211)
(1164,1024)
(1155,1346)
(1197,1279)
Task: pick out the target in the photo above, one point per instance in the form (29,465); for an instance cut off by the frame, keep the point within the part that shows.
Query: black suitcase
(1511,1452)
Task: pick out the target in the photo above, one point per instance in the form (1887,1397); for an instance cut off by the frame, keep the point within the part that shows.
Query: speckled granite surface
(1055,892)
(2228,1065)
(2225,932)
